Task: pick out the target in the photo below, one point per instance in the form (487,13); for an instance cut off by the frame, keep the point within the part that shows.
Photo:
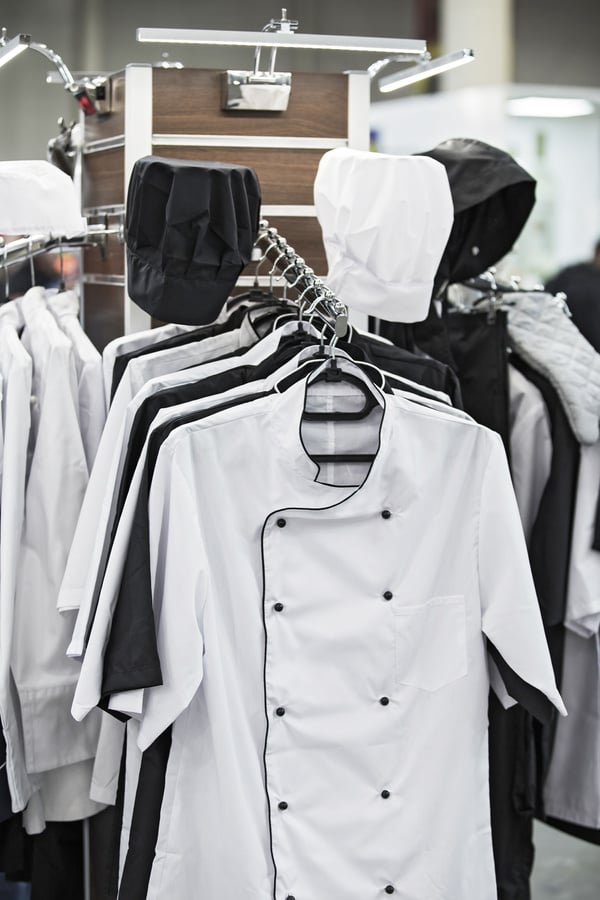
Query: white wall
(562,154)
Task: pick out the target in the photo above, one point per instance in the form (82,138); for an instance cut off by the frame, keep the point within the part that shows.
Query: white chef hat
(35,197)
(385,221)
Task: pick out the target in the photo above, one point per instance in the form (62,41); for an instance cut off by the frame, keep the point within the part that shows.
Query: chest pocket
(431,642)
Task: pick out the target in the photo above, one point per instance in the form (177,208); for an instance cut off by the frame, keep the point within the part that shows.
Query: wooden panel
(188,101)
(304,235)
(285,176)
(98,128)
(112,262)
(103,313)
(104,178)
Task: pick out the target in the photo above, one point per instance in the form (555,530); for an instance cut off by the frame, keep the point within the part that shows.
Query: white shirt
(129,342)
(44,677)
(15,365)
(88,362)
(377,695)
(530,445)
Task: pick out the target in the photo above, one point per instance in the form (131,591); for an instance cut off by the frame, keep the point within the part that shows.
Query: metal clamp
(262,90)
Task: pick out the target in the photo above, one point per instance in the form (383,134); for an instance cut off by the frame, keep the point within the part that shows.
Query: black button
(282,804)
(385,794)
(278,607)
(389,889)
(280,711)
(386,514)
(388,595)
(281,523)
(384,701)
(290,897)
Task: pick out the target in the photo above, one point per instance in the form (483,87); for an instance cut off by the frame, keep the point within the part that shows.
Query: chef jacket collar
(387,485)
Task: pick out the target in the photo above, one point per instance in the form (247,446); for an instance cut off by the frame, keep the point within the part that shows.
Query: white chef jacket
(323,646)
(129,342)
(88,362)
(572,788)
(44,677)
(15,366)
(87,694)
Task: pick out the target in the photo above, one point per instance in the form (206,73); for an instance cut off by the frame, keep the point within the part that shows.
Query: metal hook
(265,254)
(31,267)
(5,265)
(62,264)
(301,265)
(332,345)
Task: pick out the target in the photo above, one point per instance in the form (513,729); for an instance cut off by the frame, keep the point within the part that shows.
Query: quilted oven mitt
(541,332)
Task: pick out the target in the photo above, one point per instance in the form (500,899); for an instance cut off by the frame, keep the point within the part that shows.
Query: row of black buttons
(280,711)
(385,514)
(389,889)
(279,607)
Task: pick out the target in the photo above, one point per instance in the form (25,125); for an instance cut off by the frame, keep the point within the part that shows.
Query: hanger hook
(62,264)
(5,265)
(31,266)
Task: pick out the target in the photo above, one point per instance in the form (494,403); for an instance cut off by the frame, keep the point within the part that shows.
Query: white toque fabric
(36,197)
(386,221)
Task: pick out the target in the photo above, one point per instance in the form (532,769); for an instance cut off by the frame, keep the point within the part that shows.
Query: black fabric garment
(146,819)
(492,196)
(190,229)
(475,346)
(512,798)
(105,842)
(550,541)
(5,800)
(52,861)
(530,698)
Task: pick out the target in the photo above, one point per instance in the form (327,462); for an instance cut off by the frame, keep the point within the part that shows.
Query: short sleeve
(179,575)
(511,618)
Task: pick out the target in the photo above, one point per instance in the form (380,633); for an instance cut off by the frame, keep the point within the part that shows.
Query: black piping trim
(277,512)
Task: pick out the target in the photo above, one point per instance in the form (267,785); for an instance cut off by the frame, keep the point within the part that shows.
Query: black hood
(493,197)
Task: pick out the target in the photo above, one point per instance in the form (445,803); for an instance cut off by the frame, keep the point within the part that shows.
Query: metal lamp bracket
(263,90)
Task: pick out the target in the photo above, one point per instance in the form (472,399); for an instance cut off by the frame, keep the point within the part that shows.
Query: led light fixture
(550,107)
(279,39)
(425,69)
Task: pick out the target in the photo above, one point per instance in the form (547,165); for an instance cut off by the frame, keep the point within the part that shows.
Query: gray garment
(572,789)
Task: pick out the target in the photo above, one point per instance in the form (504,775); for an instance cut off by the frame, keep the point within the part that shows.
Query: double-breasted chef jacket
(323,653)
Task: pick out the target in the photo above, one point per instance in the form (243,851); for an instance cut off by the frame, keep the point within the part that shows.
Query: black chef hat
(492,196)
(190,229)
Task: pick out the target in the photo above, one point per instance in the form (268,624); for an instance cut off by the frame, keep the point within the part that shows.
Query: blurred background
(524,49)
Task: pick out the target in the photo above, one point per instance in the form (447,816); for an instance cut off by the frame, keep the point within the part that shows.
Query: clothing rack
(302,278)
(22,249)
